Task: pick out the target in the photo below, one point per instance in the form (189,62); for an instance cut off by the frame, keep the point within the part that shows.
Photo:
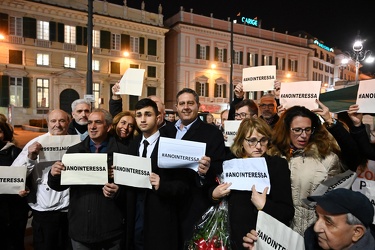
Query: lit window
(95,65)
(16,91)
(202,52)
(70,34)
(69,62)
(96,93)
(42,89)
(96,38)
(42,29)
(42,59)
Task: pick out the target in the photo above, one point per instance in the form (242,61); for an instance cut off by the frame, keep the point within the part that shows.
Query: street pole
(89,48)
(231,63)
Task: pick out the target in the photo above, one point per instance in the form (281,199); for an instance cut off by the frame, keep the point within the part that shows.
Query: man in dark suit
(194,199)
(96,213)
(151,214)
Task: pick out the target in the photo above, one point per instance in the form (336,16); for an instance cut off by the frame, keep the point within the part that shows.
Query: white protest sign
(300,93)
(244,173)
(272,234)
(133,171)
(366,96)
(54,147)
(231,128)
(259,78)
(84,168)
(131,82)
(12,179)
(174,153)
(342,180)
(367,188)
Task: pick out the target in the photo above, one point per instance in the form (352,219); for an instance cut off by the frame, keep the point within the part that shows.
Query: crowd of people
(302,148)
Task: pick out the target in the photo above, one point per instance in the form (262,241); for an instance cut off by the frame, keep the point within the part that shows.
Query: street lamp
(358,55)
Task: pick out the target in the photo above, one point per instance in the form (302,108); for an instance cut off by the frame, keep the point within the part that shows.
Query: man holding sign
(189,127)
(49,207)
(151,208)
(96,220)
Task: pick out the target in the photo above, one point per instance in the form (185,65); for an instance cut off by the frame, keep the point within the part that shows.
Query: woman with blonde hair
(312,155)
(252,140)
(124,127)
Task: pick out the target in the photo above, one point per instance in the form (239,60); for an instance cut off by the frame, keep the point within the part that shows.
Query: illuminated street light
(358,55)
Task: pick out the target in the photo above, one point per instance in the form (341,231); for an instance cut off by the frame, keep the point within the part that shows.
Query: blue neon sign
(249,21)
(321,45)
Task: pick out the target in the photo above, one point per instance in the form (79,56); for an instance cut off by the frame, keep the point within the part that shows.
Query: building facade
(198,56)
(43,54)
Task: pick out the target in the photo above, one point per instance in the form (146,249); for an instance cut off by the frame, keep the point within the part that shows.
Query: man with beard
(267,106)
(80,112)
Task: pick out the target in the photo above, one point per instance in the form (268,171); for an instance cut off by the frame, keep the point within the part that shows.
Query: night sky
(334,22)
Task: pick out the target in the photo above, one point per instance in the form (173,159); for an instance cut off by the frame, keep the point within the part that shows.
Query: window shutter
(224,91)
(271,62)
(4,91)
(289,63)
(283,67)
(26,92)
(207,52)
(241,58)
(29,27)
(216,58)
(296,66)
(151,48)
(125,42)
(198,88)
(206,89)
(52,31)
(60,32)
(256,60)
(79,35)
(141,45)
(225,55)
(198,47)
(4,23)
(215,90)
(105,39)
(248,59)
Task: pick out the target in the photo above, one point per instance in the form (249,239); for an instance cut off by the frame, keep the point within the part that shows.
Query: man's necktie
(145,144)
(97,147)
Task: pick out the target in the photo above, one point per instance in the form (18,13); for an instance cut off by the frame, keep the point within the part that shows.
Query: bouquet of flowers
(212,231)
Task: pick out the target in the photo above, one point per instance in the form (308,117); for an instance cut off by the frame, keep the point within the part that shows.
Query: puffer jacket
(308,169)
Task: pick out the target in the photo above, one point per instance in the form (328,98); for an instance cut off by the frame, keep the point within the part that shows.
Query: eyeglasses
(299,131)
(253,142)
(241,115)
(264,106)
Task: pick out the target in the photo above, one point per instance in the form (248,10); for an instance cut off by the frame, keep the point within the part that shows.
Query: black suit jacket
(160,228)
(192,191)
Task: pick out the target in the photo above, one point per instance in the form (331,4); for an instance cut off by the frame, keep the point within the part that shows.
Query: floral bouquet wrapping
(212,231)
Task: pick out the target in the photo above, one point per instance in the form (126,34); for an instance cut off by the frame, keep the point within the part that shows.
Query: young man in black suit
(151,213)
(193,200)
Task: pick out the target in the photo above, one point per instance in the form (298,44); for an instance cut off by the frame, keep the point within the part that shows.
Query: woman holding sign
(252,140)
(13,207)
(311,152)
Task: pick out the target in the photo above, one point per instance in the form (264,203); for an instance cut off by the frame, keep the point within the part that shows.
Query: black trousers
(50,230)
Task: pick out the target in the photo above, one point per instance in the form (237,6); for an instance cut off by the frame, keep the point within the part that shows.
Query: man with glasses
(245,109)
(268,112)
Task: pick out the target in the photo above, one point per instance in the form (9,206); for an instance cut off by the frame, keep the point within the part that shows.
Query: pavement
(22,137)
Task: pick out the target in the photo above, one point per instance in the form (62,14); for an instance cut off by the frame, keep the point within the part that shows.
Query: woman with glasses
(252,140)
(312,155)
(124,127)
